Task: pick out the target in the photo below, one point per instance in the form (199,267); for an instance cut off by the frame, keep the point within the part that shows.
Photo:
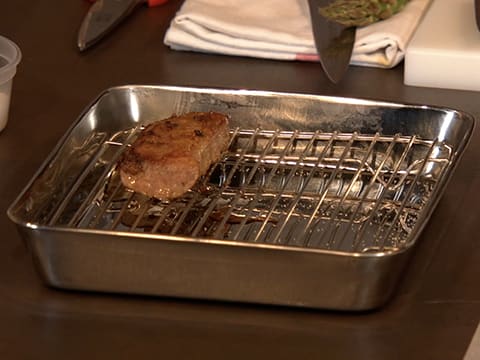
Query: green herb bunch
(361,12)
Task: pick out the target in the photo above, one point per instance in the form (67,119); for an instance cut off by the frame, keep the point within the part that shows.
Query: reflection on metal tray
(317,201)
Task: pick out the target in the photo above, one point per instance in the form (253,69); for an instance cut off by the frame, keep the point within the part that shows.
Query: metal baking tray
(318,201)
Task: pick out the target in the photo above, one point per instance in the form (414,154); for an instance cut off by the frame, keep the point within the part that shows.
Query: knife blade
(334,41)
(477,13)
(103,16)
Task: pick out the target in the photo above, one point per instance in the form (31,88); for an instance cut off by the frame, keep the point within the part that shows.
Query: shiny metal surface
(334,41)
(102,17)
(75,248)
(477,13)
(335,191)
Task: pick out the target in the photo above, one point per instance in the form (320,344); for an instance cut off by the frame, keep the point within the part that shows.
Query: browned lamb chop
(170,155)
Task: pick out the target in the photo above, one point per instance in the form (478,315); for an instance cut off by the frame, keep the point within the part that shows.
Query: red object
(156,2)
(150,3)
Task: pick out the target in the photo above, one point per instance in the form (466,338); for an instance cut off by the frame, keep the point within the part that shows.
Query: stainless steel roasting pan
(318,201)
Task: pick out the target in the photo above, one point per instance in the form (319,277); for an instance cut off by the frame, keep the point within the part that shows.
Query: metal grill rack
(334,191)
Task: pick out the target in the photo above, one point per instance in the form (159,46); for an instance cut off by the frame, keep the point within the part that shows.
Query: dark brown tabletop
(433,314)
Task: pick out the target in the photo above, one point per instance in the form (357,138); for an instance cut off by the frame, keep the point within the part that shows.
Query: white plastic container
(10,56)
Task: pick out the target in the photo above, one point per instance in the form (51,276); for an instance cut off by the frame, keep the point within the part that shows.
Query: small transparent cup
(10,56)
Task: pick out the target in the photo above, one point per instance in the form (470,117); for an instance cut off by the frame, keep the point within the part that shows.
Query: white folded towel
(281,30)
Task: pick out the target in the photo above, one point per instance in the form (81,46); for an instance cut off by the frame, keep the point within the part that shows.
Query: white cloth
(280,29)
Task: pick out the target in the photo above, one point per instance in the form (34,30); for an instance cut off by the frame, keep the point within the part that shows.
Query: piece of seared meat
(170,155)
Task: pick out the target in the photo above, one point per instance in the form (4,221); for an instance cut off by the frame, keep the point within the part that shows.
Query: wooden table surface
(433,314)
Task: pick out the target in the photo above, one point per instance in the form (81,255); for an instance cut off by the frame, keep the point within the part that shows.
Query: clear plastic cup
(10,56)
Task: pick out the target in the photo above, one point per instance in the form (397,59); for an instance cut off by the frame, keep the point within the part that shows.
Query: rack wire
(334,191)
